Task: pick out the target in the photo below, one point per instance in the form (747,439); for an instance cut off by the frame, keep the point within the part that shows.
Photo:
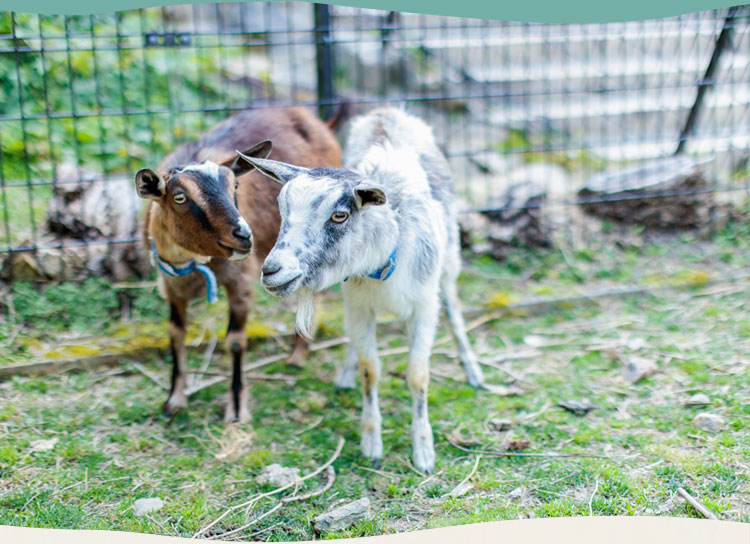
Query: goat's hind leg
(346,371)
(177,400)
(469,362)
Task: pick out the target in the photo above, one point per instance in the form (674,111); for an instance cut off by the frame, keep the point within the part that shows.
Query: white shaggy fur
(397,193)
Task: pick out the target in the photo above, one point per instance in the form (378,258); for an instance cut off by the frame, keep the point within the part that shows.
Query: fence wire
(91,99)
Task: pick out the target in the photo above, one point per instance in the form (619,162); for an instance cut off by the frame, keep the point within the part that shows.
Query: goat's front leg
(237,399)
(360,325)
(177,400)
(421,336)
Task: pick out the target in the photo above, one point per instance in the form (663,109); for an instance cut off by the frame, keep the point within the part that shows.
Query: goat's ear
(277,171)
(367,194)
(240,166)
(149,184)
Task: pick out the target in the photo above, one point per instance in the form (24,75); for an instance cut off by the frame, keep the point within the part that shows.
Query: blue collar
(175,272)
(384,273)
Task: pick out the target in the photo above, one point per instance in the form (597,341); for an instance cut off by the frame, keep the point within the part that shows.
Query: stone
(141,507)
(709,422)
(277,476)
(42,445)
(637,368)
(578,407)
(517,494)
(461,489)
(699,399)
(343,516)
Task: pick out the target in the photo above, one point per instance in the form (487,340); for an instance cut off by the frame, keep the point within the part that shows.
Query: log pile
(672,193)
(510,220)
(84,214)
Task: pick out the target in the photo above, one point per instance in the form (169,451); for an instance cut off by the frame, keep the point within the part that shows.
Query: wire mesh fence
(642,122)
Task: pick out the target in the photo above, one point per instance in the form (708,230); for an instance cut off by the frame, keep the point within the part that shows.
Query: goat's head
(198,203)
(325,234)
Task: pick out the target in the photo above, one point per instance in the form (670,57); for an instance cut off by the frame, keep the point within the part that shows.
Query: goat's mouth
(235,253)
(283,288)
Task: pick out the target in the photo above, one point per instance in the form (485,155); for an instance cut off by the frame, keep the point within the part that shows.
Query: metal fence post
(324,59)
(708,78)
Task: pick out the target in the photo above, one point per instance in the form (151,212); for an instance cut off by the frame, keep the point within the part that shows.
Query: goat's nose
(242,233)
(270,268)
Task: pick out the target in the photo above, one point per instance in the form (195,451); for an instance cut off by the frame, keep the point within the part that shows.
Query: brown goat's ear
(277,171)
(240,166)
(369,195)
(149,184)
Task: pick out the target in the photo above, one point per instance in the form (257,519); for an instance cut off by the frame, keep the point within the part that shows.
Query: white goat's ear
(277,171)
(148,184)
(369,195)
(240,166)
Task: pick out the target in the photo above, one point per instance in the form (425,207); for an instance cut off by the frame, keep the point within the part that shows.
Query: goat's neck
(382,229)
(158,231)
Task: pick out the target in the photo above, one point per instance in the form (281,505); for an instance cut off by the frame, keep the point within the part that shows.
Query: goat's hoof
(372,447)
(297,358)
(479,385)
(424,459)
(344,384)
(230,416)
(174,404)
(474,376)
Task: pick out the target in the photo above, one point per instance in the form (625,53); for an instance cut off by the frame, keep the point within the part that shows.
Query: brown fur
(298,138)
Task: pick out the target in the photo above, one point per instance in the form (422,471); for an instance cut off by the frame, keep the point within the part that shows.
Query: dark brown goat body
(192,217)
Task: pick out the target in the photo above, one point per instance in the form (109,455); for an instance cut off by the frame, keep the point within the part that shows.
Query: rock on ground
(709,422)
(637,368)
(141,507)
(278,476)
(699,399)
(343,516)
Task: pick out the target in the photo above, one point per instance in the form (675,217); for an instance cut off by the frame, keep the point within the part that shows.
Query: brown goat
(209,206)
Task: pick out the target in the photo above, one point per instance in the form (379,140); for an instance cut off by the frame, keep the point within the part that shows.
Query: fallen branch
(699,506)
(140,368)
(207,355)
(247,525)
(462,482)
(495,453)
(252,501)
(331,475)
(194,388)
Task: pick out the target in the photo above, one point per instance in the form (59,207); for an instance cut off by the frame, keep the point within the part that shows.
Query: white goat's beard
(305,311)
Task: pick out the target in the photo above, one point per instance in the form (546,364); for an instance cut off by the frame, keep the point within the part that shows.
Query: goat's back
(389,138)
(298,138)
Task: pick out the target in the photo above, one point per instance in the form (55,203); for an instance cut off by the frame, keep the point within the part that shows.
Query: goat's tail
(341,115)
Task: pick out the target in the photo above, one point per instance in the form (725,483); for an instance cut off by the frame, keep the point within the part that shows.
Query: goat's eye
(339,217)
(180,198)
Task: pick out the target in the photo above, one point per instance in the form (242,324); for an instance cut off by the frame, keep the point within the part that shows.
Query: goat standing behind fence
(387,229)
(208,207)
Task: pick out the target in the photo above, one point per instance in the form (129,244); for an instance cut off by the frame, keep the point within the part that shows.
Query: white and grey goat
(386,227)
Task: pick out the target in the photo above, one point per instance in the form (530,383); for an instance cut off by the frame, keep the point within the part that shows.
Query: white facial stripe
(208,168)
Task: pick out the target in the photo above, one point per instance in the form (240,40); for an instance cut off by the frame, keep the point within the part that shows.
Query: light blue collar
(384,273)
(175,272)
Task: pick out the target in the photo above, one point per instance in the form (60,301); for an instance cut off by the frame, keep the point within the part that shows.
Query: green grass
(113,446)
